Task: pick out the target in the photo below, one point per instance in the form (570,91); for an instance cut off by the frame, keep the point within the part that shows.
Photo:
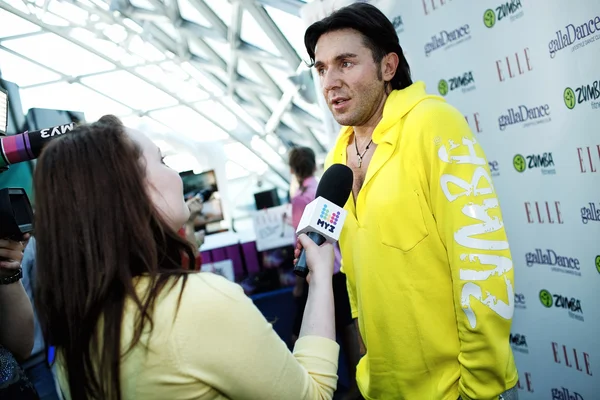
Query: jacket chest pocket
(401,220)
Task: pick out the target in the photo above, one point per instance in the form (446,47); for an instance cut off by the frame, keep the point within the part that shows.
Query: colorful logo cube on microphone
(323,217)
(327,215)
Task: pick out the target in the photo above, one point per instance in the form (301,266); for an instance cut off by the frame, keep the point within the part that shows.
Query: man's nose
(330,80)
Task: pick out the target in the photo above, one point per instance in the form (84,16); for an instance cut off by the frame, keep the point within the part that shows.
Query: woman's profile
(127,321)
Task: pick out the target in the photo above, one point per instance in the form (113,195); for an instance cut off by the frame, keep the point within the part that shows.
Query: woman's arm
(319,314)
(223,340)
(16,312)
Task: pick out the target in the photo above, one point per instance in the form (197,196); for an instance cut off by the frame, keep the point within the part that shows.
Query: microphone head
(336,184)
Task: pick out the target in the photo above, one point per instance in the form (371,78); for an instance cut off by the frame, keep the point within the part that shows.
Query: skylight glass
(59,54)
(71,97)
(292,27)
(13,25)
(191,13)
(221,8)
(22,72)
(189,124)
(130,90)
(255,35)
(249,160)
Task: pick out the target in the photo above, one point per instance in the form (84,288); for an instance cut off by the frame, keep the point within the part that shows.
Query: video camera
(16,214)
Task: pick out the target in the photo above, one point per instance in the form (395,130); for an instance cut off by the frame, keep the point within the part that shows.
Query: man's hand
(195,205)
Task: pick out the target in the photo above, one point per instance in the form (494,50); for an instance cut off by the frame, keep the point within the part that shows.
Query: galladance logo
(583,94)
(598,263)
(448,39)
(509,9)
(527,116)
(583,34)
(556,262)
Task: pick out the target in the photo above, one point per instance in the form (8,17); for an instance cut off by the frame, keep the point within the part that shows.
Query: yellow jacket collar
(397,105)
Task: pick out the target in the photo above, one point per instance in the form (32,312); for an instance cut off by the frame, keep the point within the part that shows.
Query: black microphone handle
(301,269)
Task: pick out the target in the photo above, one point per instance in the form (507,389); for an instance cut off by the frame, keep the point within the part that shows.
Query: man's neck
(366,130)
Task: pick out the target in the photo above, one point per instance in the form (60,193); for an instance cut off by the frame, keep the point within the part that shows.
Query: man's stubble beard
(363,109)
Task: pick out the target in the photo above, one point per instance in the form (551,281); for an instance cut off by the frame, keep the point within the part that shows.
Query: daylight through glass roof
(191,71)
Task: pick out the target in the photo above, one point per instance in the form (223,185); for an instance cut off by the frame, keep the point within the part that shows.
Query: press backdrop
(526,76)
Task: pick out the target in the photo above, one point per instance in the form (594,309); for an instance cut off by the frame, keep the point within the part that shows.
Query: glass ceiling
(186,71)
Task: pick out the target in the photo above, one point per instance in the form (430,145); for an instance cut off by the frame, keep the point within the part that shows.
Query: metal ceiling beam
(289,6)
(53,29)
(195,29)
(208,13)
(234,39)
(253,53)
(266,23)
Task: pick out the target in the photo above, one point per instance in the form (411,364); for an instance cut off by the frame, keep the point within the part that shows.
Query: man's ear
(389,66)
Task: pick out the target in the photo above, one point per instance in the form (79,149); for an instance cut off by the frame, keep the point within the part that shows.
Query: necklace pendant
(359,162)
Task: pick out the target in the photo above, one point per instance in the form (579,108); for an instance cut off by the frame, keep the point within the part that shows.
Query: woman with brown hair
(126,320)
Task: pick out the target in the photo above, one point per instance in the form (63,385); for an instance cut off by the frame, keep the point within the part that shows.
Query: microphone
(323,218)
(16,214)
(28,145)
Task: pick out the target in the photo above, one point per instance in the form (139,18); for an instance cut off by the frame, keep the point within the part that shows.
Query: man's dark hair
(302,161)
(377,30)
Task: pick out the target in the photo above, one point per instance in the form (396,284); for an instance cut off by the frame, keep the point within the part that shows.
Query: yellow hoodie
(428,266)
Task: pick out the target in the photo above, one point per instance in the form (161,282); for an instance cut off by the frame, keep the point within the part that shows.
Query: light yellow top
(427,260)
(219,346)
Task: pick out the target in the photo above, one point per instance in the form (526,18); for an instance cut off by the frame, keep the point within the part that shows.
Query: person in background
(302,163)
(126,319)
(188,230)
(424,248)
(16,324)
(36,366)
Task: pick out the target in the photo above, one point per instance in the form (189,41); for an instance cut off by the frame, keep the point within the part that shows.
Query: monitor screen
(267,199)
(204,186)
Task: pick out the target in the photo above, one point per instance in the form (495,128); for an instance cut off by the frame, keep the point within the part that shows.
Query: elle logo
(552,212)
(521,64)
(473,121)
(526,383)
(581,151)
(327,219)
(572,360)
(435,4)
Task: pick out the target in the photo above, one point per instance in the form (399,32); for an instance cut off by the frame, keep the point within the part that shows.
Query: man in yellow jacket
(429,270)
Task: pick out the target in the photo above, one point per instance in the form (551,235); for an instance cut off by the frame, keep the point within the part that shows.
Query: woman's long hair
(96,230)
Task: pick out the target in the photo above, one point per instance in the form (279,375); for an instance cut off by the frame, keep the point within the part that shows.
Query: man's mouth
(339,101)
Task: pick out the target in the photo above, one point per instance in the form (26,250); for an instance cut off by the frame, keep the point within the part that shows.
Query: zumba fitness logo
(527,116)
(518,343)
(583,94)
(512,9)
(571,304)
(532,161)
(448,39)
(556,262)
(578,35)
(465,82)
